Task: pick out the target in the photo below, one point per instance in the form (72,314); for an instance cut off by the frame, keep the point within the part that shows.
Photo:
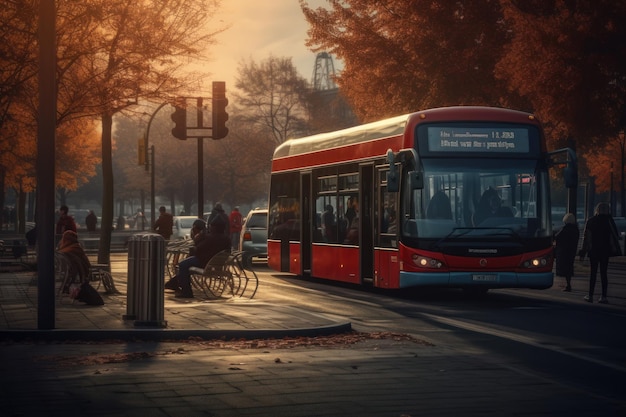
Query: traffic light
(141,151)
(220,116)
(179,117)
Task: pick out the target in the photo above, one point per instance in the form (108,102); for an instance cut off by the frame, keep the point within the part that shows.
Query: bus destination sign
(478,139)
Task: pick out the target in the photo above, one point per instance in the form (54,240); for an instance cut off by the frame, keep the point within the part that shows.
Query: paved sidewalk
(184,318)
(346,375)
(210,319)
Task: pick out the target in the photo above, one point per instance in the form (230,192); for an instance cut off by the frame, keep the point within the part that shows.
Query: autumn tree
(400,56)
(77,154)
(17,67)
(121,52)
(131,179)
(239,165)
(272,96)
(232,174)
(567,59)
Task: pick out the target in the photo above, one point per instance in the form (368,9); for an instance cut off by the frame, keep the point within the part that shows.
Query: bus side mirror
(416,180)
(571,170)
(571,177)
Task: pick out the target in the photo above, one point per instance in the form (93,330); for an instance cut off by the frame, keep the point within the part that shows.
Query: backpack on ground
(89,295)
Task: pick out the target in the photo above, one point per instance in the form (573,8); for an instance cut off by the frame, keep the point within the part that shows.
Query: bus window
(351,221)
(348,209)
(389,219)
(327,225)
(284,210)
(462,194)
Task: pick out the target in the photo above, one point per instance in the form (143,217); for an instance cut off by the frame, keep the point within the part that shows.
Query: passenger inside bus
(329,224)
(352,237)
(350,232)
(392,227)
(439,207)
(489,206)
(352,210)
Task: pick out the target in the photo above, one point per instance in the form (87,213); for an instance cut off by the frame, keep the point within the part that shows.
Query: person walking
(600,242)
(65,222)
(121,222)
(566,244)
(91,221)
(236,221)
(164,224)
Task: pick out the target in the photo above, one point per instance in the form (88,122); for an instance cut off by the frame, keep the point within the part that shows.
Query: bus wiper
(498,231)
(455,233)
(458,232)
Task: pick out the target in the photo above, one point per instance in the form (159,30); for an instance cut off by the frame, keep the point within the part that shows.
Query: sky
(258,29)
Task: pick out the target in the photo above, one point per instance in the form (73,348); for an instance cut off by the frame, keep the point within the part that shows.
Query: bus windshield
(466,198)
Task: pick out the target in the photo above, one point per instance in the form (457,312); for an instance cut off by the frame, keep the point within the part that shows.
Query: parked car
(253,238)
(182,227)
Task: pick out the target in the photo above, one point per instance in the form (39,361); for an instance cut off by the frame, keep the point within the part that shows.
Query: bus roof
(357,134)
(396,126)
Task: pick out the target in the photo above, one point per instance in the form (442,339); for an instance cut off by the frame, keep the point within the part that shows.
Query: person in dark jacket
(600,242)
(218,211)
(91,221)
(566,241)
(206,245)
(164,224)
(65,222)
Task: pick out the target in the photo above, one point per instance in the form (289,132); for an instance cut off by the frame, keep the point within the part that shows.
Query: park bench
(97,273)
(224,275)
(174,252)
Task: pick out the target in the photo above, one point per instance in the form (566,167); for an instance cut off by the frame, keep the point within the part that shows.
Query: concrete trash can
(146,276)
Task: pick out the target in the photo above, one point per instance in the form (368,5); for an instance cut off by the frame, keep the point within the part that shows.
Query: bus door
(306,225)
(366,219)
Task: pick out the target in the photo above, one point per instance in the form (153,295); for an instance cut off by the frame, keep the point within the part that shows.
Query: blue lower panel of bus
(468,279)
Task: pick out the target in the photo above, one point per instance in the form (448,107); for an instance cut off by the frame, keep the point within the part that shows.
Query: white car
(253,238)
(182,227)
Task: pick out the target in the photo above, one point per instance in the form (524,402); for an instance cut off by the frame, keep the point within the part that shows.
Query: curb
(163,335)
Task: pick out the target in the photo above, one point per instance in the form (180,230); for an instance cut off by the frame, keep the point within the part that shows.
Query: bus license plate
(484,278)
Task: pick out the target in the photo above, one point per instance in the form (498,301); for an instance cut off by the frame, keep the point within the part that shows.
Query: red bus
(455,196)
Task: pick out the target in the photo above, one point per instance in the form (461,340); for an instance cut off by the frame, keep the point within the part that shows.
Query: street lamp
(149,152)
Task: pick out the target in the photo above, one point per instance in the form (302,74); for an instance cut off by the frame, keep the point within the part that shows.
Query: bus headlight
(540,262)
(426,262)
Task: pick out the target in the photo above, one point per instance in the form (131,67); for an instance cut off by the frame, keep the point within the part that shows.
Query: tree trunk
(2,196)
(21,211)
(104,251)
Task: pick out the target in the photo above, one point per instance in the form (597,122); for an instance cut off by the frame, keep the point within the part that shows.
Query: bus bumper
(537,280)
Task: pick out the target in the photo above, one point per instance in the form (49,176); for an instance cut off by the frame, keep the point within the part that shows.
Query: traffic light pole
(200,162)
(218,128)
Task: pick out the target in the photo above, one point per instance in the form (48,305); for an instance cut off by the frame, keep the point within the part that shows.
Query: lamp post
(149,150)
